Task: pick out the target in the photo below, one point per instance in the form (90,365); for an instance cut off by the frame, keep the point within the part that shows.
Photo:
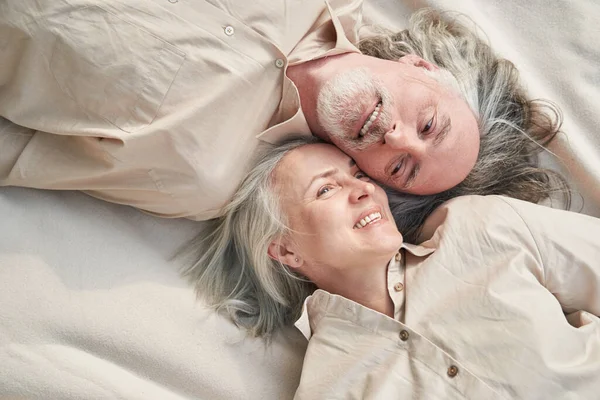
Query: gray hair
(513,129)
(232,270)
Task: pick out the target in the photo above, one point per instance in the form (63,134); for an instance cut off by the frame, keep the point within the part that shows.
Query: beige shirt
(500,302)
(158,104)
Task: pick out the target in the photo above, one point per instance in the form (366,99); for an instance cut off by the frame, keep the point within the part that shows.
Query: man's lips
(363,119)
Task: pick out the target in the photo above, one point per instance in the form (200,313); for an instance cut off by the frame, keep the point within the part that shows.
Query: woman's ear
(413,59)
(282,251)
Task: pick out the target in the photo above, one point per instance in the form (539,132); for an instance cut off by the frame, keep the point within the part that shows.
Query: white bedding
(91,307)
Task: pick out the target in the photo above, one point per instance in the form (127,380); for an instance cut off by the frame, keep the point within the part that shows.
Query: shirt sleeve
(569,247)
(62,128)
(42,160)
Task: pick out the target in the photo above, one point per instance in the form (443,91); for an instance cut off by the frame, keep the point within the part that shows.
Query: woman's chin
(384,247)
(381,230)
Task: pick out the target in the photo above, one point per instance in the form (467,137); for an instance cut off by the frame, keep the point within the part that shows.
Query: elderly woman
(499,301)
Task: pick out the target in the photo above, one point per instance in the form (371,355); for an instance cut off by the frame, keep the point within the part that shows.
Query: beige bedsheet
(92,308)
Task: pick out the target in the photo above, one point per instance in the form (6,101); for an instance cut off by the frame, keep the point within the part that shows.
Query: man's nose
(405,138)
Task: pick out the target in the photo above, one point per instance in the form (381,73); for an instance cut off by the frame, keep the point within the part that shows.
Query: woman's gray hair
(232,270)
(513,129)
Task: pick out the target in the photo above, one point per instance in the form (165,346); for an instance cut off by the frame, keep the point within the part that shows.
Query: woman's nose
(362,191)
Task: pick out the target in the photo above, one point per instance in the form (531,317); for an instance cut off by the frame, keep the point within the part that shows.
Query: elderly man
(161,104)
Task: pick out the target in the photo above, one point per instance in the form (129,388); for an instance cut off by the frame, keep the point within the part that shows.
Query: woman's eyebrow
(324,174)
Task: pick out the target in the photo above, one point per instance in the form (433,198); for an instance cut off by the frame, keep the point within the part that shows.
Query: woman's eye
(361,175)
(324,190)
(427,127)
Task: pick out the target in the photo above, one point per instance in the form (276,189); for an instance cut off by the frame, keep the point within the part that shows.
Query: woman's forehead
(313,158)
(300,166)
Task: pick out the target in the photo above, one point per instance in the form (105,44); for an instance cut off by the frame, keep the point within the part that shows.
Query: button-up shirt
(501,301)
(157,104)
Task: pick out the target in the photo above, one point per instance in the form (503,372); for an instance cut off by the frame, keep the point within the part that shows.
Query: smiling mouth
(369,219)
(371,118)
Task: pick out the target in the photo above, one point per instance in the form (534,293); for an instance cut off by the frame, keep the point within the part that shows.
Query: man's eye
(397,167)
(427,127)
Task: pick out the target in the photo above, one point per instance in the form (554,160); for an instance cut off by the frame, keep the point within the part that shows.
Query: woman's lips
(368,217)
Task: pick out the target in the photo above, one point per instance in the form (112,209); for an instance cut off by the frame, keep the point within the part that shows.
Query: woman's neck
(366,285)
(378,300)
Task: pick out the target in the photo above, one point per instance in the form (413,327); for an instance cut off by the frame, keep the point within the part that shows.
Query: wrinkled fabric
(500,301)
(155,104)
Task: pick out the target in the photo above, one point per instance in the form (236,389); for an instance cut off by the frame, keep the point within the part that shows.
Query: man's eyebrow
(413,175)
(324,174)
(446,126)
(352,163)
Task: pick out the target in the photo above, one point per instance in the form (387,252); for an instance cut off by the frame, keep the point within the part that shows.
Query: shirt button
(452,371)
(229,30)
(398,287)
(398,256)
(404,335)
(279,63)
(173,1)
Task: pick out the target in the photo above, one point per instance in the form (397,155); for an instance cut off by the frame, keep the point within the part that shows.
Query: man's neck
(303,76)
(308,77)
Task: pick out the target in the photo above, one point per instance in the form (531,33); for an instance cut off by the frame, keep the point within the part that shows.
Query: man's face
(402,121)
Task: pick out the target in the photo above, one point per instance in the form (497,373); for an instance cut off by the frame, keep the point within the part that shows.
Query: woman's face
(337,215)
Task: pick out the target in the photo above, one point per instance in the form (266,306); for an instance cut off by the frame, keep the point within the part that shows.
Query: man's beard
(343,100)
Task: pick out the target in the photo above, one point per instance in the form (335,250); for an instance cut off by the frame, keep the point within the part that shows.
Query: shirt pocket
(112,68)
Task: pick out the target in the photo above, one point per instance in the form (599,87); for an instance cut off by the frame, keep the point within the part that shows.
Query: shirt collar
(419,250)
(303,323)
(345,18)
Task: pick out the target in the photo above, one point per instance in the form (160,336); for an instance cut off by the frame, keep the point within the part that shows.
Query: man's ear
(281,250)
(413,59)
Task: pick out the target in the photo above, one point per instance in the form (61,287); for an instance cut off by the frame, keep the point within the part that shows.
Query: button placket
(452,371)
(404,335)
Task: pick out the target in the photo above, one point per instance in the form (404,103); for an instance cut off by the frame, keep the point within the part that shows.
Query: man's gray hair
(231,269)
(513,129)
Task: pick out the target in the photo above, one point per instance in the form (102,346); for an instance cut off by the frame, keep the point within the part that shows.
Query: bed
(91,303)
